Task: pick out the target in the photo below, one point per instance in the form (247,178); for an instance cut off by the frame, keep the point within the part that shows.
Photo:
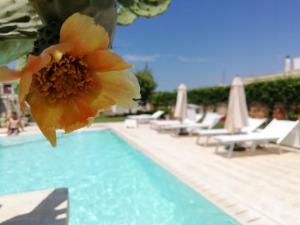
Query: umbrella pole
(182,131)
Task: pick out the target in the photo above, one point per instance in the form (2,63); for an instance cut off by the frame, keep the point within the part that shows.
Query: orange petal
(76,125)
(122,87)
(102,102)
(105,61)
(46,115)
(84,34)
(34,64)
(7,74)
(76,114)
(24,87)
(97,101)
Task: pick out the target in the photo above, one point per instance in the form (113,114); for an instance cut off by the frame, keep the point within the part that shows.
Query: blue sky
(206,42)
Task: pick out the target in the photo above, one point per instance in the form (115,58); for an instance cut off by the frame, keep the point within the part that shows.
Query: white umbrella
(237,113)
(181,103)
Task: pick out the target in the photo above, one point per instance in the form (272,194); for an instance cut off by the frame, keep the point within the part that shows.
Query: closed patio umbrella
(181,103)
(237,113)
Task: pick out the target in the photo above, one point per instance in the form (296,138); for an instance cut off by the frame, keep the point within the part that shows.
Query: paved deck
(48,207)
(256,188)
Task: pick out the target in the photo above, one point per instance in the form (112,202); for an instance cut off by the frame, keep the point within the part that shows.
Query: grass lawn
(220,125)
(105,119)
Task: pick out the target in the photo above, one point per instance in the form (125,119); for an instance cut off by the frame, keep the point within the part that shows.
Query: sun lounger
(161,123)
(164,124)
(146,118)
(253,125)
(210,120)
(276,131)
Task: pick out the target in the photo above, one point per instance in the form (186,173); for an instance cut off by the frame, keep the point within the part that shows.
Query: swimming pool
(110,182)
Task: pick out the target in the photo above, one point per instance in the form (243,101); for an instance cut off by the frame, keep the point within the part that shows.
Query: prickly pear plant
(18,29)
(18,19)
(23,22)
(125,16)
(131,9)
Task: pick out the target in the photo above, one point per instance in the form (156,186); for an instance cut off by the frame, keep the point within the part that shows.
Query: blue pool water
(110,182)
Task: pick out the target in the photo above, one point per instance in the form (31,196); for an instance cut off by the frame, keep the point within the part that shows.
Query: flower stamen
(63,79)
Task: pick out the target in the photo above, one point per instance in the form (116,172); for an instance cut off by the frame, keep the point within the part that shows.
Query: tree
(147,84)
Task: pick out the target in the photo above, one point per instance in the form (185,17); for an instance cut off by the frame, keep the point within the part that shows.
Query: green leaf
(12,49)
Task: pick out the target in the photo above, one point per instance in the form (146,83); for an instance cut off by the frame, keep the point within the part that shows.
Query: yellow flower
(70,82)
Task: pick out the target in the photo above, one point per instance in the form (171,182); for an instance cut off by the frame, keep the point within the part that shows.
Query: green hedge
(208,96)
(284,90)
(163,99)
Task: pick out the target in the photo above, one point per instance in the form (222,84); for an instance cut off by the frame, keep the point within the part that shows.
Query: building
(292,64)
(291,69)
(8,99)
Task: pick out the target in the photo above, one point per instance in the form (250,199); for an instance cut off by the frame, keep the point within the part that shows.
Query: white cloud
(191,60)
(154,57)
(141,58)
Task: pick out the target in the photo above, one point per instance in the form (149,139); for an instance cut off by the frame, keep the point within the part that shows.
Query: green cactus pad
(126,3)
(125,16)
(149,8)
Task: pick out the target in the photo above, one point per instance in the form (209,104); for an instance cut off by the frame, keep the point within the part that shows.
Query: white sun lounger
(165,124)
(161,124)
(145,118)
(276,131)
(254,124)
(210,120)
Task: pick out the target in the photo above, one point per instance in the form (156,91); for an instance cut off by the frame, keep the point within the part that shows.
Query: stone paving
(256,188)
(47,207)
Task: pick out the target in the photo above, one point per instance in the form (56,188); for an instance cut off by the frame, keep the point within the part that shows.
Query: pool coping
(35,130)
(228,203)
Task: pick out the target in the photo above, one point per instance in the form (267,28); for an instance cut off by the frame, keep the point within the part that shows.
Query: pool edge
(228,204)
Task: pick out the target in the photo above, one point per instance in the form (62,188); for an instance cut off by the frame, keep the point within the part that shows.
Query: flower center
(63,79)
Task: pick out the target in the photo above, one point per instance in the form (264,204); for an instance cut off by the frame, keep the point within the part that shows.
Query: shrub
(284,91)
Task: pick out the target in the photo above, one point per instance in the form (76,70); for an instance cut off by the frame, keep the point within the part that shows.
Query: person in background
(14,124)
